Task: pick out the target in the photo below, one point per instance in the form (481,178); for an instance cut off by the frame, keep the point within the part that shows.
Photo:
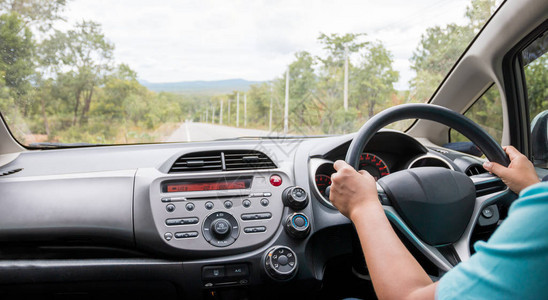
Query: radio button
(209,205)
(267,194)
(171,222)
(178,198)
(170,208)
(168,236)
(182,221)
(189,206)
(228,204)
(220,229)
(246,203)
(166,199)
(264,202)
(186,234)
(256,229)
(258,216)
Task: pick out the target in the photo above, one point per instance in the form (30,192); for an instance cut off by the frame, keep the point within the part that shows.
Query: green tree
(87,55)
(536,78)
(41,13)
(16,52)
(440,46)
(372,81)
(436,54)
(329,97)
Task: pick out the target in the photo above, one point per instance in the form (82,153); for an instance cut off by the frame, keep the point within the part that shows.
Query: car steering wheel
(436,208)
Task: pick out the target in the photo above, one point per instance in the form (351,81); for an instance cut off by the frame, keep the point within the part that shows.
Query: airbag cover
(436,203)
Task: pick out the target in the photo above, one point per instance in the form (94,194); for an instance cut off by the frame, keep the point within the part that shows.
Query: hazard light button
(276,180)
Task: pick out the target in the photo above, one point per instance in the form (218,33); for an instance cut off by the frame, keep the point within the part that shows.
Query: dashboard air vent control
(245,160)
(201,161)
(229,160)
(297,225)
(475,169)
(280,263)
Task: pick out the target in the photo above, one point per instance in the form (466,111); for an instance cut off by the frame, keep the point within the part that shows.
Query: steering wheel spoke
(462,246)
(383,198)
(489,189)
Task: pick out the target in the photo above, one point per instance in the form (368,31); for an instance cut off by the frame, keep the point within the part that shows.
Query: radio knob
(295,197)
(220,228)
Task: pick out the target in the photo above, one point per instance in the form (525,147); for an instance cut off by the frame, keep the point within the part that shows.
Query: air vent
(201,161)
(245,160)
(5,173)
(475,169)
(230,160)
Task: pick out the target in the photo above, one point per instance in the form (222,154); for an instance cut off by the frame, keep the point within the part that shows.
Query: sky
(179,40)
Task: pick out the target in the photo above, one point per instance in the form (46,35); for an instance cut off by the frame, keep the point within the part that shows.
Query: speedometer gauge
(374,165)
(322,182)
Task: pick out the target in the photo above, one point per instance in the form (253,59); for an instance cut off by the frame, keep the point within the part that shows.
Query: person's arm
(395,273)
(519,174)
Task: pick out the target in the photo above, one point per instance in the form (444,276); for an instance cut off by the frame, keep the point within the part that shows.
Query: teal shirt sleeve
(513,263)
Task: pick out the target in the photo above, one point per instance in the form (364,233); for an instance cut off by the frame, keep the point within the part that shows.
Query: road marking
(187,132)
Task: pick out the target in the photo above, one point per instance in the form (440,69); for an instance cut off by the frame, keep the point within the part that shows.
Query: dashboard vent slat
(243,160)
(229,160)
(475,169)
(202,161)
(5,173)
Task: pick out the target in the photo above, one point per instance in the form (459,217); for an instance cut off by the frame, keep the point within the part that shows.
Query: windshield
(118,72)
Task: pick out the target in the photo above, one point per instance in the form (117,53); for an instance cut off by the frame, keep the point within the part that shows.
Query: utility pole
(212,114)
(270,118)
(286,109)
(345,78)
(207,116)
(228,117)
(238,109)
(245,110)
(221,114)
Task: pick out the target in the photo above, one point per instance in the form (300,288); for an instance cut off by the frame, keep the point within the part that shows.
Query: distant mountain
(200,87)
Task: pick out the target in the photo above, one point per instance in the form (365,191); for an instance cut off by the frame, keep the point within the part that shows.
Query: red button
(275,180)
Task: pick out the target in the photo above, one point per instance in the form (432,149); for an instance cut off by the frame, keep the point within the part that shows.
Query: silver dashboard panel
(151,201)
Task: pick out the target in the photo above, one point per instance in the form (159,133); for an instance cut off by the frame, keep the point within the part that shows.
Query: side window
(486,112)
(535,70)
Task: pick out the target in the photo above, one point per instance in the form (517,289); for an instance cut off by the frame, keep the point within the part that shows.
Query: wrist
(364,208)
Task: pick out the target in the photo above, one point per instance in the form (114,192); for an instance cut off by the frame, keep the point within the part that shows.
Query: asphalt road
(194,132)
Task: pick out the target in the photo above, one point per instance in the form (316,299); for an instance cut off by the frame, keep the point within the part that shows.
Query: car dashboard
(189,220)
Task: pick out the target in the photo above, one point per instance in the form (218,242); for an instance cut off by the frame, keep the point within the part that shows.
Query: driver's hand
(519,174)
(352,191)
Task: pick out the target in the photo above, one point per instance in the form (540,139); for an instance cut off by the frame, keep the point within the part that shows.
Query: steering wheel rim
(487,144)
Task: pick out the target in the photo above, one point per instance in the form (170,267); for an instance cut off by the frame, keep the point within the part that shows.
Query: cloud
(167,41)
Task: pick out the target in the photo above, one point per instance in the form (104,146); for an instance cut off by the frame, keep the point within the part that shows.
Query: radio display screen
(206,185)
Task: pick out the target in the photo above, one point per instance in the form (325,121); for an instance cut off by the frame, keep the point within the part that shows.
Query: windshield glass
(119,72)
